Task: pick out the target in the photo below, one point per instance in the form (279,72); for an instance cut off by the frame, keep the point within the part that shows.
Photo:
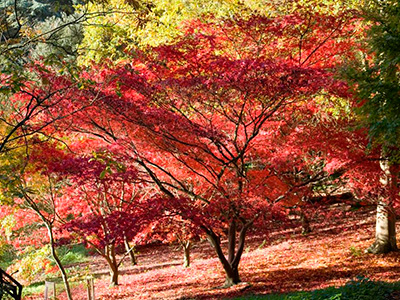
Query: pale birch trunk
(385,234)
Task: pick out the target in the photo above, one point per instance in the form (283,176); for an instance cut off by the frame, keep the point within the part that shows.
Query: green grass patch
(33,289)
(38,288)
(358,289)
(73,254)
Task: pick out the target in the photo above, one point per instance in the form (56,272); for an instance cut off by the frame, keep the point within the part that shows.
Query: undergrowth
(68,255)
(357,289)
(73,254)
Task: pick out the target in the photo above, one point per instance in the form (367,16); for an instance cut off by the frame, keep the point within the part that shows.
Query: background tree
(38,47)
(36,190)
(128,25)
(173,229)
(31,87)
(375,78)
(108,204)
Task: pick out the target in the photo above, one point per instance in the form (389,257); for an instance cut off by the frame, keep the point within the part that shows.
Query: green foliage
(37,264)
(7,251)
(359,289)
(375,76)
(167,16)
(125,25)
(11,164)
(29,30)
(7,255)
(111,29)
(356,252)
(33,263)
(33,289)
(36,10)
(73,254)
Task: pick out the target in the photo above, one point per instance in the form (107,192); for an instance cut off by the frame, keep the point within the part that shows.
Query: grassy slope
(280,263)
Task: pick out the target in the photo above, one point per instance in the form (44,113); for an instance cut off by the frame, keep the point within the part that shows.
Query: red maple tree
(107,203)
(203,116)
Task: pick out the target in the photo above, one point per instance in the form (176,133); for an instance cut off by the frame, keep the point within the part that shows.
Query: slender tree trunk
(112,264)
(113,272)
(186,253)
(131,251)
(114,275)
(385,234)
(305,223)
(58,261)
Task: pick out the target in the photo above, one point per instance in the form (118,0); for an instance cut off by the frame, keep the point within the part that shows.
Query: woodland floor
(282,261)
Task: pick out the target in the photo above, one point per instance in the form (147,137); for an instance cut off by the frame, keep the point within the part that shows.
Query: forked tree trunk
(186,253)
(230,265)
(385,234)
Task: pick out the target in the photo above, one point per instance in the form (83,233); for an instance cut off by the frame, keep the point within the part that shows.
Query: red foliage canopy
(210,117)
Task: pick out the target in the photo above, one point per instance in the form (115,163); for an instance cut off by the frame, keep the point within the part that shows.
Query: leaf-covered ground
(283,261)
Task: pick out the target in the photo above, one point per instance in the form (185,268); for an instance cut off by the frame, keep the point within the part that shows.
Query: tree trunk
(232,277)
(112,264)
(230,265)
(305,223)
(186,254)
(385,234)
(58,261)
(114,275)
(131,251)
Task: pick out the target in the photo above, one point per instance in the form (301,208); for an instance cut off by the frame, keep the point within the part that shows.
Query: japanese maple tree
(107,203)
(171,228)
(202,116)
